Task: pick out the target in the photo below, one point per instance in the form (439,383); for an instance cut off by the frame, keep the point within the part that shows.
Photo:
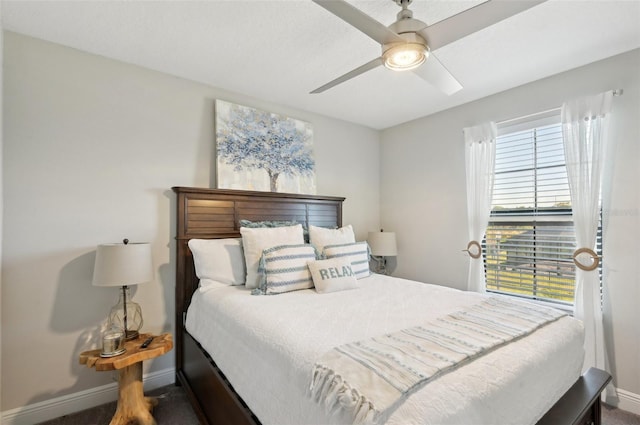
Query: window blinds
(530,239)
(530,171)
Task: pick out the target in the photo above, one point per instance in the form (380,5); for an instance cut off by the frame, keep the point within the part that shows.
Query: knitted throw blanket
(366,378)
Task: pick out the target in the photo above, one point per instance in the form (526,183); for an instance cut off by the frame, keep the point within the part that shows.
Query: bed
(232,379)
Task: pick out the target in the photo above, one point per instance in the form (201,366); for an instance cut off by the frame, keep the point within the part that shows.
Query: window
(530,239)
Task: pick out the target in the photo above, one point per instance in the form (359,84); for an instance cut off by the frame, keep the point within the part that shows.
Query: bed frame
(215,214)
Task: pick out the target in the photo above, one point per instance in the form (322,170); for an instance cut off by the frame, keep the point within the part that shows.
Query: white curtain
(584,128)
(480,157)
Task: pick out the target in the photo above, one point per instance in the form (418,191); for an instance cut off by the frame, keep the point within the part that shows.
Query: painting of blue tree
(259,150)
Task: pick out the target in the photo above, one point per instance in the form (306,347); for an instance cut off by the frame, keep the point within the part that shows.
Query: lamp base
(131,335)
(126,315)
(381,264)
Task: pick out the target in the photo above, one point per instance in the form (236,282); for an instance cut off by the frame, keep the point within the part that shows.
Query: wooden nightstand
(132,404)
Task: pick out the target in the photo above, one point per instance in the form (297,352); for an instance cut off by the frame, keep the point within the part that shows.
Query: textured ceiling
(281,50)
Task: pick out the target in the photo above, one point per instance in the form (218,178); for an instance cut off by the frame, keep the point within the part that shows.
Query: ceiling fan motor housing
(406,23)
(409,38)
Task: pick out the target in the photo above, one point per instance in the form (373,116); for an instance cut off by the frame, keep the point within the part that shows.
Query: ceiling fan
(407,44)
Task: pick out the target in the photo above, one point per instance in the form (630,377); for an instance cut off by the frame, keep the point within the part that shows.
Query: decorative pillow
(254,241)
(357,253)
(333,275)
(275,223)
(284,269)
(321,236)
(221,260)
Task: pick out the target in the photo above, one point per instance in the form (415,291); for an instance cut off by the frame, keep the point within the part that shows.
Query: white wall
(1,197)
(91,149)
(423,195)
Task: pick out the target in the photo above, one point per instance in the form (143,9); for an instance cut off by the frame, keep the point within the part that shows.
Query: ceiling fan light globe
(404,57)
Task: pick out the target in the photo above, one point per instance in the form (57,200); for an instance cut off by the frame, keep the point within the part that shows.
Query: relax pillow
(221,260)
(257,240)
(321,236)
(333,275)
(357,253)
(284,269)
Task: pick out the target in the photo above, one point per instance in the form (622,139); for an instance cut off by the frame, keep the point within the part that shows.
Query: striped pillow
(254,241)
(284,268)
(357,253)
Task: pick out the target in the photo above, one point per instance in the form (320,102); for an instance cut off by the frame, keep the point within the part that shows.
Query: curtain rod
(616,92)
(528,116)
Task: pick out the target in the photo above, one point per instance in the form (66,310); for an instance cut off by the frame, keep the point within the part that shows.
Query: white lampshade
(121,264)
(383,244)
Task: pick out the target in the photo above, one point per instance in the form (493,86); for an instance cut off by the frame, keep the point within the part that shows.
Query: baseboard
(71,403)
(628,401)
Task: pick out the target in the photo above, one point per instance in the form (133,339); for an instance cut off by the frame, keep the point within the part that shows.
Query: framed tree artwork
(259,150)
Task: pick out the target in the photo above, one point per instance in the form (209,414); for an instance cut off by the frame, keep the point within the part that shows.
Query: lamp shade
(122,264)
(383,243)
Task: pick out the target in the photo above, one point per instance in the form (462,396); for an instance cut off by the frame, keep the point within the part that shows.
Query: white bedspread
(267,346)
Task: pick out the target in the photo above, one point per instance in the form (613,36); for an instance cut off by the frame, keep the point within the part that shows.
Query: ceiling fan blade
(359,70)
(472,20)
(437,75)
(360,20)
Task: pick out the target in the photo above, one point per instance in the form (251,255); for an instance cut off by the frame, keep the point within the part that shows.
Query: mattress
(267,346)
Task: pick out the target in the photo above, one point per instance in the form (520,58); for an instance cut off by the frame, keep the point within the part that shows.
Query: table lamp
(382,244)
(124,264)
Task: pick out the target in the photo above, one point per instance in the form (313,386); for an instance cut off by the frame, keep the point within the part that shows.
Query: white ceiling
(281,50)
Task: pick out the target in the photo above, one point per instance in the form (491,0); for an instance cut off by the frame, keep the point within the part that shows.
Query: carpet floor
(174,409)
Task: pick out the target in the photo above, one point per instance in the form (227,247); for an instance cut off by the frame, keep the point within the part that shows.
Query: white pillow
(333,275)
(284,269)
(257,240)
(221,260)
(357,253)
(321,236)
